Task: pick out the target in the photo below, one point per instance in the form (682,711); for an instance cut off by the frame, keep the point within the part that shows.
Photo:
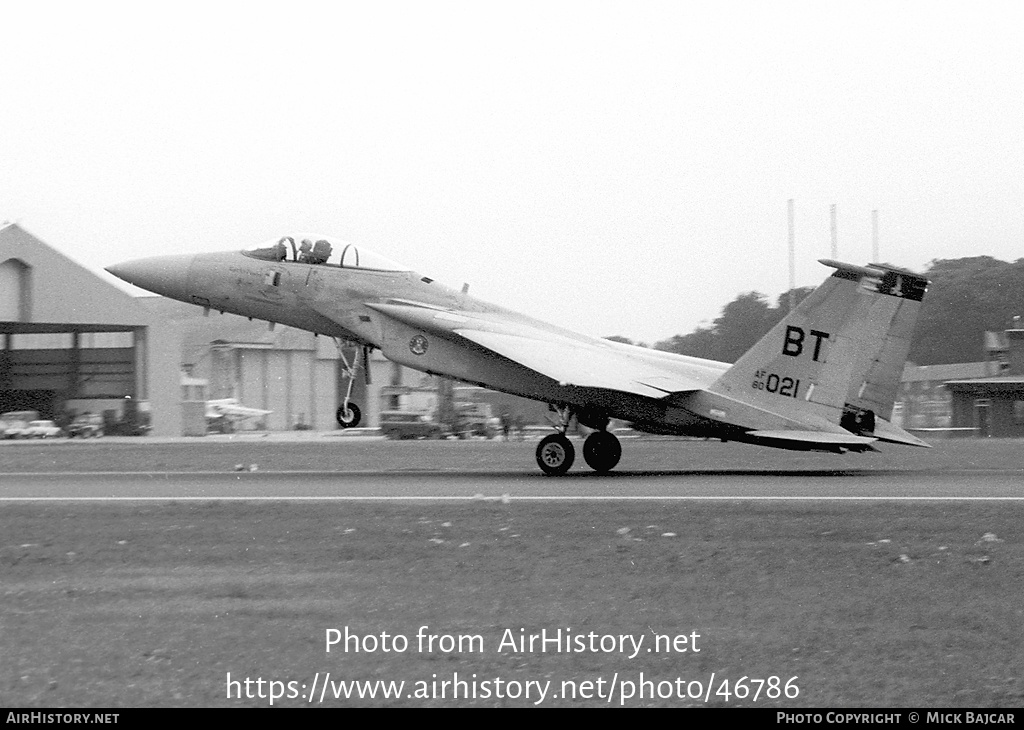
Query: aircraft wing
(573,360)
(233,412)
(582,364)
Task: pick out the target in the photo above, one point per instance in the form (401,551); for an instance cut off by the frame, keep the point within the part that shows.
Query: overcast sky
(615,167)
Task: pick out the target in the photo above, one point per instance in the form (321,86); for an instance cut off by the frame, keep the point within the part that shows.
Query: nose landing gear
(348,414)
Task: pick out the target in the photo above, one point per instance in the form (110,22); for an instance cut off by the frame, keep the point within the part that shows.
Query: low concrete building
(993,406)
(923,402)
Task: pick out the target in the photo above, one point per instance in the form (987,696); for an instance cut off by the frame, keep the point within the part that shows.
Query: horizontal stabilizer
(885,431)
(810,440)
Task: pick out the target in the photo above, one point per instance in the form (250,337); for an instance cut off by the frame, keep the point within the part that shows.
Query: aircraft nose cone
(167,275)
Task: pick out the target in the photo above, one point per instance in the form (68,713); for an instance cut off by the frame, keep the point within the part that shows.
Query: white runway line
(549,498)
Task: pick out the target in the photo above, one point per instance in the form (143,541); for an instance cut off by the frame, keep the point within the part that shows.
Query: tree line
(966,298)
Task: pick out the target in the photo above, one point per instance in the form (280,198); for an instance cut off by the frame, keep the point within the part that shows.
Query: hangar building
(296,376)
(72,343)
(994,405)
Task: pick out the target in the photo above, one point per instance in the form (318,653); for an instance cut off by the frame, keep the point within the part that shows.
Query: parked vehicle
(476,420)
(14,423)
(14,429)
(86,425)
(409,425)
(42,430)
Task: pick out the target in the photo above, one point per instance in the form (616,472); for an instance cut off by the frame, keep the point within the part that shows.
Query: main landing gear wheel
(555,454)
(348,417)
(602,451)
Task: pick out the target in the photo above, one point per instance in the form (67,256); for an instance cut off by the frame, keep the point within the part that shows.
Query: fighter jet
(823,379)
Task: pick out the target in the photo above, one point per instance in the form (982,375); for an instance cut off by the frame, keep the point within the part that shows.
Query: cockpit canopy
(323,250)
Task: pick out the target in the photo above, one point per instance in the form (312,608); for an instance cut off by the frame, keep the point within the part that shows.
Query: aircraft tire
(602,451)
(555,454)
(348,418)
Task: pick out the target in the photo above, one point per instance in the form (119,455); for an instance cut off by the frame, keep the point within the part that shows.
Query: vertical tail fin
(839,355)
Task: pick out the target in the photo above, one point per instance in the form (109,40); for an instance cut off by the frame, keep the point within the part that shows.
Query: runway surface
(859,574)
(845,484)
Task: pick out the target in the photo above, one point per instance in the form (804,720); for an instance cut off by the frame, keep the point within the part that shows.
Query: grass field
(866,604)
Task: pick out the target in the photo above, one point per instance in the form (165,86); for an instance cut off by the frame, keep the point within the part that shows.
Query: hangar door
(53,372)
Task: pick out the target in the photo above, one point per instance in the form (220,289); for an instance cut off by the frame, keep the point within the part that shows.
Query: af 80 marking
(772,383)
(793,344)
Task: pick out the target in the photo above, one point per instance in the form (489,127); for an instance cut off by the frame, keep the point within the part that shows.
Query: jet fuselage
(352,304)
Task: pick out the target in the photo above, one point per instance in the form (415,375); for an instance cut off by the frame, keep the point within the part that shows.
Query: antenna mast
(835,235)
(792,256)
(874,237)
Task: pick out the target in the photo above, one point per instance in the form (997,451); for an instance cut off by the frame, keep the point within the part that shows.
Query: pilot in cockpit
(321,252)
(305,251)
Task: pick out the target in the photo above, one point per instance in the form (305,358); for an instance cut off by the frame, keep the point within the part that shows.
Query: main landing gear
(555,453)
(602,451)
(348,414)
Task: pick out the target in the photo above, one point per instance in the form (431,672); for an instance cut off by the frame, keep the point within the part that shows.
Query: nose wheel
(348,416)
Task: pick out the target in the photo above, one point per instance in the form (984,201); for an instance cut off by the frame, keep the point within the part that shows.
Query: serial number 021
(783,385)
